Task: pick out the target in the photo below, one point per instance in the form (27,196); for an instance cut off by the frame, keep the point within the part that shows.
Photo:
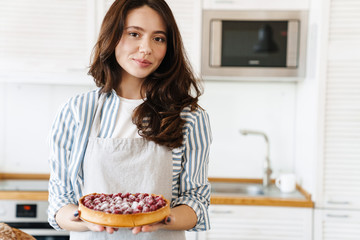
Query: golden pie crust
(122,220)
(9,233)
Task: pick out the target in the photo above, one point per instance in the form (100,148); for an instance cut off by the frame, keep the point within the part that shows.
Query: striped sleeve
(61,142)
(194,188)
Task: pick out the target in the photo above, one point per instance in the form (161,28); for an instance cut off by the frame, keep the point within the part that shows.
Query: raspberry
(149,200)
(117,211)
(132,197)
(125,195)
(128,211)
(124,203)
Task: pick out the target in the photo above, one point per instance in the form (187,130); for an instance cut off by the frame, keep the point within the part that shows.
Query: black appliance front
(51,237)
(40,230)
(254,43)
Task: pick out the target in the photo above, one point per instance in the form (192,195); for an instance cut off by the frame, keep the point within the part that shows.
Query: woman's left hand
(182,217)
(153,227)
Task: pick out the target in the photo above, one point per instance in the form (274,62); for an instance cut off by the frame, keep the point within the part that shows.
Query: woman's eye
(160,39)
(133,34)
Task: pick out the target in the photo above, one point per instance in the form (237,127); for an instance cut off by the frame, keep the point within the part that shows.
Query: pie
(123,209)
(9,233)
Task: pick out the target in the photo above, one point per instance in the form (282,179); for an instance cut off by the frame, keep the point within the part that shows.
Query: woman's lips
(143,62)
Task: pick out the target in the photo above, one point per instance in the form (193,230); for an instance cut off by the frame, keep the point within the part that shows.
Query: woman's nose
(145,47)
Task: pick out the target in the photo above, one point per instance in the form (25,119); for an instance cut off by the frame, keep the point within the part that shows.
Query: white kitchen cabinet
(337,224)
(265,4)
(337,194)
(230,222)
(45,41)
(191,235)
(339,186)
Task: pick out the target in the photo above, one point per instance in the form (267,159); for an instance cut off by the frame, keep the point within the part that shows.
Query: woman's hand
(93,227)
(68,218)
(153,227)
(182,217)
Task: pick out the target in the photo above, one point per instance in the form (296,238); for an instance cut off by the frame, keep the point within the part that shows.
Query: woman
(141,131)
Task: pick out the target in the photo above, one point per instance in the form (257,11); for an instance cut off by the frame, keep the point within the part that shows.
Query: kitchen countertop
(28,192)
(300,198)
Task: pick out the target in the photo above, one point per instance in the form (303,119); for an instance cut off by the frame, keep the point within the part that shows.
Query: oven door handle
(45,232)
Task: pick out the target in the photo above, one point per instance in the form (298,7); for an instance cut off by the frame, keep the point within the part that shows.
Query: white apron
(115,165)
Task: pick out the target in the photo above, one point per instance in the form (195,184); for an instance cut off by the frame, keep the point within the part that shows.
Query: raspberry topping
(124,203)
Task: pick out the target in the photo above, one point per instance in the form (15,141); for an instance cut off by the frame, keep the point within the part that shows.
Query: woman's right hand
(93,227)
(68,219)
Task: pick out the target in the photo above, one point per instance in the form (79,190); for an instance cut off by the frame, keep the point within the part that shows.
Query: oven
(29,216)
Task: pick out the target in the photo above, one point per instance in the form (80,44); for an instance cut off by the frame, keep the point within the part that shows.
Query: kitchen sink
(237,188)
(250,189)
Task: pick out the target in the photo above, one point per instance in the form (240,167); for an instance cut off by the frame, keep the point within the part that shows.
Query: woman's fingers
(136,230)
(111,230)
(169,220)
(90,226)
(153,227)
(75,217)
(93,227)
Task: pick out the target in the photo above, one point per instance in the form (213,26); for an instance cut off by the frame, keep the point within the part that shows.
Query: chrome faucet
(267,169)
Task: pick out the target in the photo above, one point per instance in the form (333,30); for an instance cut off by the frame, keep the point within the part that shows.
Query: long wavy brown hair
(171,88)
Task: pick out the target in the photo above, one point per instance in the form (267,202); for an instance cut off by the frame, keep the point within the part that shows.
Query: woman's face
(143,44)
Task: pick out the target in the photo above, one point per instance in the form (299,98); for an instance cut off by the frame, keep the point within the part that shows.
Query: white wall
(310,102)
(28,110)
(27,115)
(267,107)
(2,126)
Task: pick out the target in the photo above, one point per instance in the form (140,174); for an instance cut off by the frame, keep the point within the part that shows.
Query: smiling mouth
(142,62)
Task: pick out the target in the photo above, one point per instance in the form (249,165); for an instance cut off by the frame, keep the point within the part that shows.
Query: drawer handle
(337,216)
(222,212)
(335,202)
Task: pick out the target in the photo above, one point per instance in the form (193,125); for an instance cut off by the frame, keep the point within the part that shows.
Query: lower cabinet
(258,223)
(191,235)
(336,224)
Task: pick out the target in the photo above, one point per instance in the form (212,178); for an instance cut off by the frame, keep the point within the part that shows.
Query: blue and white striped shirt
(68,140)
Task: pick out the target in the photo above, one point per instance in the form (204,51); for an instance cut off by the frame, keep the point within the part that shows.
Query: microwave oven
(265,45)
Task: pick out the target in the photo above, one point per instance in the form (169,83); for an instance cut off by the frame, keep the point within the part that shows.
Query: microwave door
(239,43)
(292,44)
(215,43)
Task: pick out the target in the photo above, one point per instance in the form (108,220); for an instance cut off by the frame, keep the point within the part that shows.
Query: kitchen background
(43,57)
(313,124)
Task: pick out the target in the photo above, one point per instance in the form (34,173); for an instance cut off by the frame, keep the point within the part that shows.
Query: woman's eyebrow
(143,30)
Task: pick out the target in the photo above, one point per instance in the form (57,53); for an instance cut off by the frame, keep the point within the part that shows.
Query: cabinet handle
(336,202)
(222,211)
(337,216)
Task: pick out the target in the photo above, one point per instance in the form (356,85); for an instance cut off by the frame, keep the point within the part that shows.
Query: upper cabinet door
(43,38)
(265,4)
(187,14)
